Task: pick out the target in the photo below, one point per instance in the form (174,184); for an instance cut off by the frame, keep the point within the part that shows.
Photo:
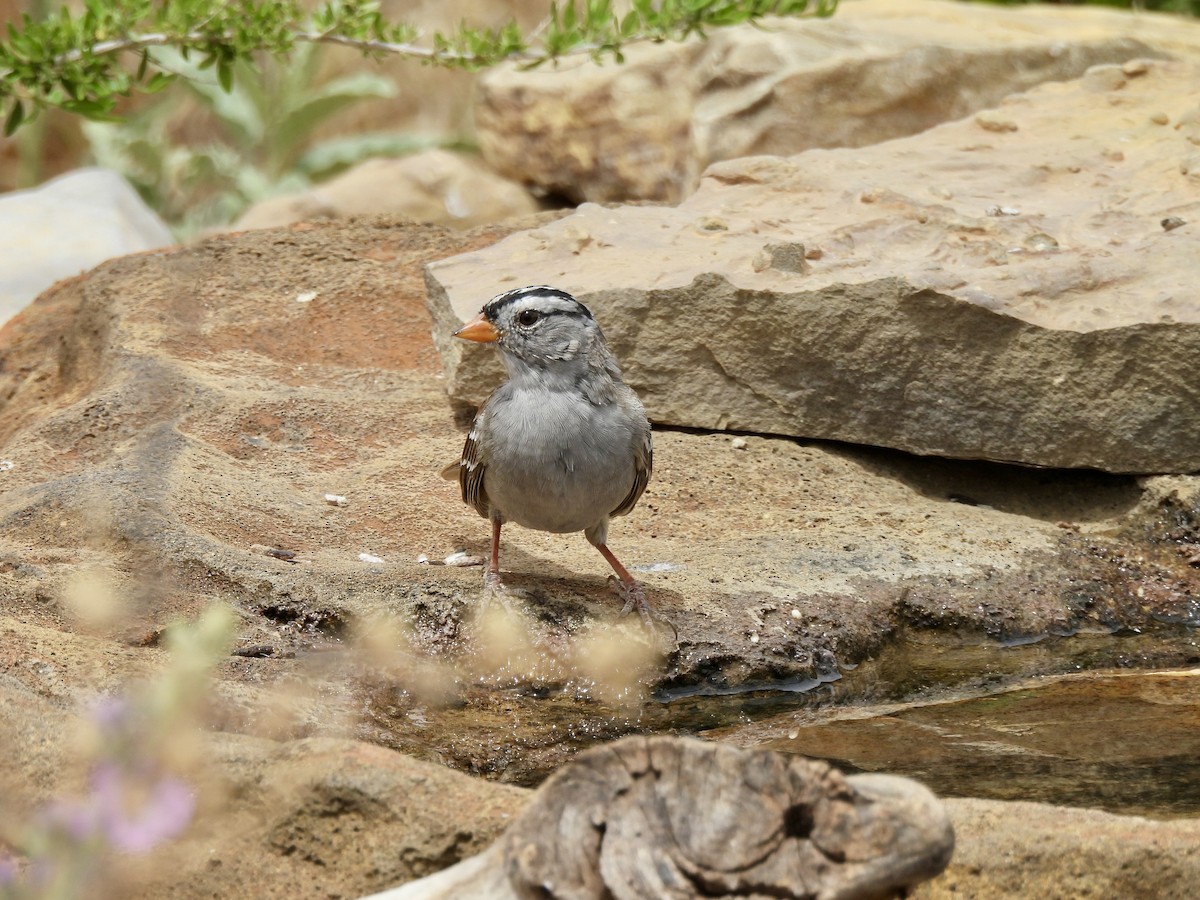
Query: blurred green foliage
(262,145)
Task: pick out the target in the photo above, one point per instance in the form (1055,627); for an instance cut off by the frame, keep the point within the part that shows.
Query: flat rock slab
(1002,287)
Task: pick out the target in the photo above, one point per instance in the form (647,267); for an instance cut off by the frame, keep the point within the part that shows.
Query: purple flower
(136,814)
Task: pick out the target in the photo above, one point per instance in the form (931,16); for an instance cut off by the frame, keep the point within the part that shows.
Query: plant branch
(73,62)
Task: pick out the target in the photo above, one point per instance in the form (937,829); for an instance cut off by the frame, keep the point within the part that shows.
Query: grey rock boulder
(65,227)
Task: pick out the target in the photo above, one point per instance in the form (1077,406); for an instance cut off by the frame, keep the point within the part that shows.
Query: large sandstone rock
(168,416)
(877,70)
(1016,286)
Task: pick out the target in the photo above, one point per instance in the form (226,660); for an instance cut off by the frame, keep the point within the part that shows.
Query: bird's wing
(643,465)
(471,469)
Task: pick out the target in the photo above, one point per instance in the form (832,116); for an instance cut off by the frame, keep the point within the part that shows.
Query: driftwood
(648,817)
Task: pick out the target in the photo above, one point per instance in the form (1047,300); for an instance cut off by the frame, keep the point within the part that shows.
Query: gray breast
(557,462)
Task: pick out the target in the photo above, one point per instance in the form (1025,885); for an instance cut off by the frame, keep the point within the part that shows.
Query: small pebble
(738,443)
(306,297)
(1170,223)
(422,559)
(255,651)
(1101,78)
(784,257)
(990,120)
(275,553)
(1041,243)
(336,500)
(996,211)
(754,638)
(6,465)
(795,614)
(370,558)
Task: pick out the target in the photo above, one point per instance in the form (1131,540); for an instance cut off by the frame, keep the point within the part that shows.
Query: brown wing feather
(642,467)
(470,474)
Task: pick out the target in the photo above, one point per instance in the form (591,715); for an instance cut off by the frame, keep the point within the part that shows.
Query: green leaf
(15,117)
(295,126)
(225,75)
(339,153)
(157,82)
(97,110)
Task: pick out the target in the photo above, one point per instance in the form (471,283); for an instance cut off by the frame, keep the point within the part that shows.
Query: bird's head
(539,326)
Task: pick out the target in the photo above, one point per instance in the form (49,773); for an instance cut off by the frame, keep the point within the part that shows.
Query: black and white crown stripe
(539,295)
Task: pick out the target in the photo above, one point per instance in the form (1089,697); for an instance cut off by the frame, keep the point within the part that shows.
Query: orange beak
(480,330)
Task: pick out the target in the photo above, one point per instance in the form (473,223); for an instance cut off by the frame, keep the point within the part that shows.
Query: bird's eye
(528,317)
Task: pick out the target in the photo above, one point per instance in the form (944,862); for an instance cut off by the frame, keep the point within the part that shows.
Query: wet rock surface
(1126,742)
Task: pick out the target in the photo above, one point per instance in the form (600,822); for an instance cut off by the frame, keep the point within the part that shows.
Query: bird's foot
(634,596)
(492,583)
(497,592)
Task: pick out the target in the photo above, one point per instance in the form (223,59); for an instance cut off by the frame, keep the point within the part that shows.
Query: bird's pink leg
(631,592)
(491,579)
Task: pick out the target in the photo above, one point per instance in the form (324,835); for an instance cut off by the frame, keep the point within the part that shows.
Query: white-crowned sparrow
(564,444)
